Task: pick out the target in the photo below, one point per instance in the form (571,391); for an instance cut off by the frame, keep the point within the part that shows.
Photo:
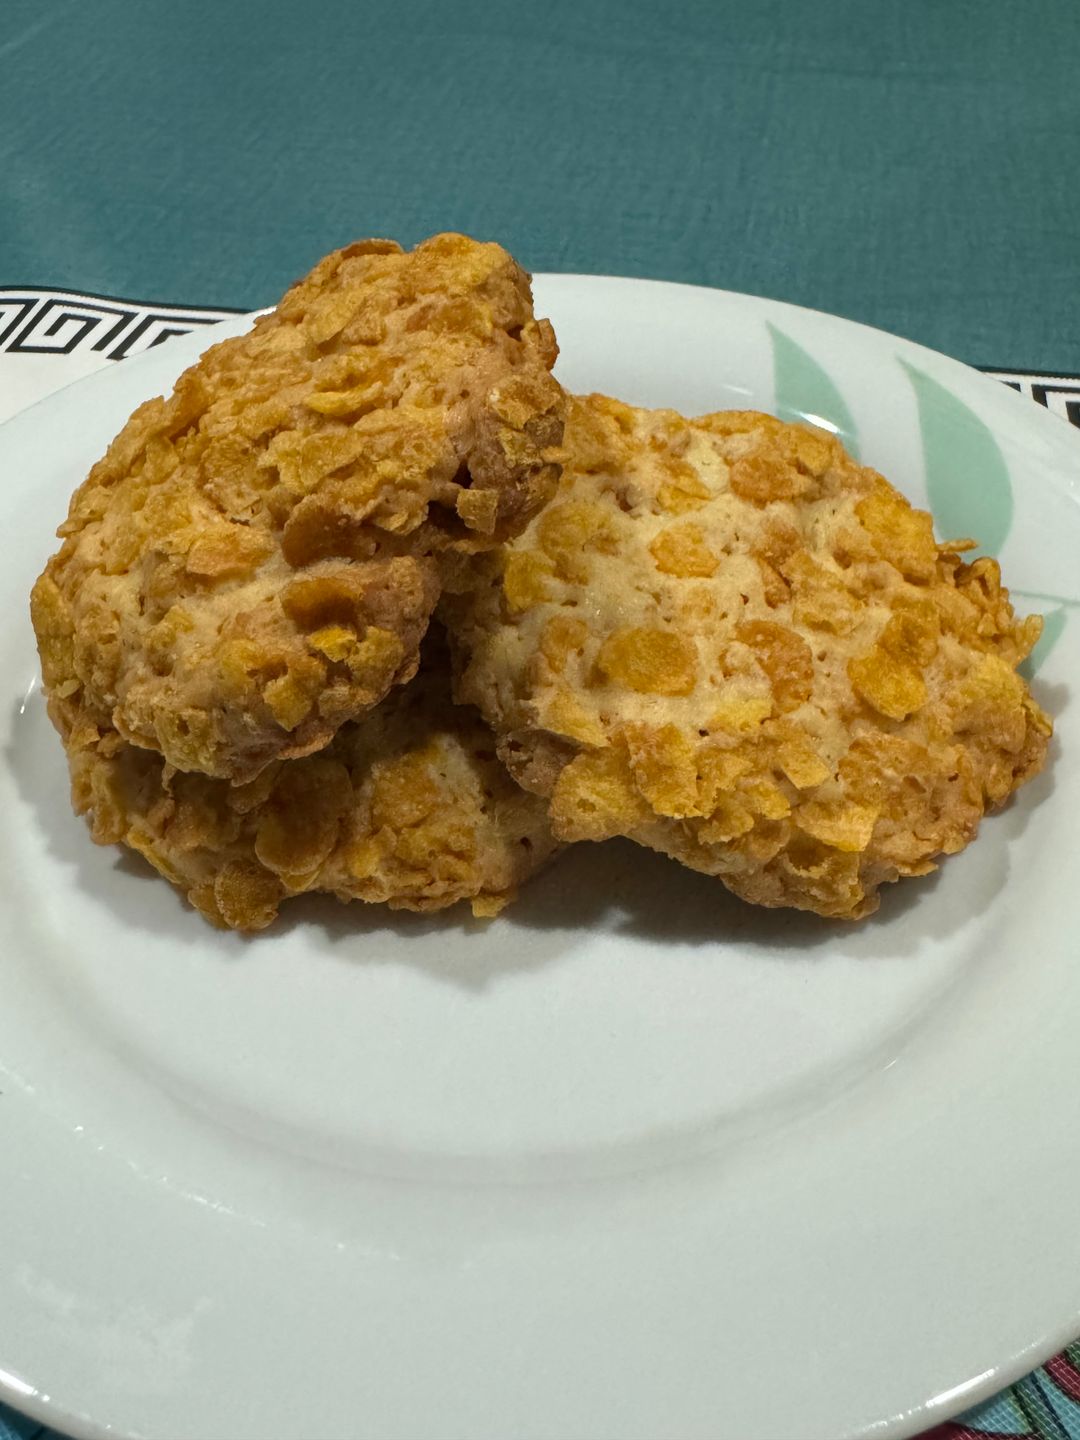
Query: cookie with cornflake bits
(407,806)
(726,640)
(254,561)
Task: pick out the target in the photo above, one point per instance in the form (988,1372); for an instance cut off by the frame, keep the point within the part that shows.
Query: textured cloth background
(905,163)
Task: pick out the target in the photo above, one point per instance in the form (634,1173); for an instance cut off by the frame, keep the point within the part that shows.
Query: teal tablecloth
(905,164)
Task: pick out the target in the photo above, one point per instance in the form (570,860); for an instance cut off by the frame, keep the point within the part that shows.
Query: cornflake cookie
(731,643)
(408,805)
(252,563)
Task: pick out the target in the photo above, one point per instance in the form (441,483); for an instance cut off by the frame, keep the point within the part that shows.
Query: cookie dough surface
(407,806)
(254,561)
(726,640)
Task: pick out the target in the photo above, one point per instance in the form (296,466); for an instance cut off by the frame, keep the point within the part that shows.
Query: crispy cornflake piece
(408,806)
(682,550)
(796,756)
(664,765)
(564,714)
(845,825)
(241,896)
(732,644)
(650,661)
(682,489)
(739,714)
(336,642)
(766,475)
(526,578)
(891,686)
(290,697)
(595,797)
(227,551)
(900,534)
(395,408)
(784,656)
(569,531)
(989,686)
(479,509)
(820,599)
(731,818)
(719,770)
(562,636)
(912,634)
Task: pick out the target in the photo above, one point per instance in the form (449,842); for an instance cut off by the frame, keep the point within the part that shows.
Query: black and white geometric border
(1059,393)
(37,321)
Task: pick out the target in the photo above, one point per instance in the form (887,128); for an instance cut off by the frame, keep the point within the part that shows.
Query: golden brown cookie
(252,564)
(408,805)
(726,640)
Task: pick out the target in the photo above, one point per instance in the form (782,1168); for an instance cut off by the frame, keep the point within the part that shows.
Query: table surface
(908,165)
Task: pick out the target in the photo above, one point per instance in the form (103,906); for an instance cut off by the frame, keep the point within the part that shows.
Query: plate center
(623,1012)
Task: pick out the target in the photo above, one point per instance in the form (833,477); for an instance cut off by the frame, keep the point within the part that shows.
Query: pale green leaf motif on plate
(806,393)
(967,480)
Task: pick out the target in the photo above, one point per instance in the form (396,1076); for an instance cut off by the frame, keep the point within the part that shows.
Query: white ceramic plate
(633,1160)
